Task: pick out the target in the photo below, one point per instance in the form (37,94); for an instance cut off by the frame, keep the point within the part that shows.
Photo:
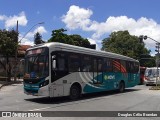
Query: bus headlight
(46,82)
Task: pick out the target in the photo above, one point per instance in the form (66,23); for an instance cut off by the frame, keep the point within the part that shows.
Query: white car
(151,76)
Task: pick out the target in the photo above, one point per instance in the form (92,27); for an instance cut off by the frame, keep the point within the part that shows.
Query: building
(19,68)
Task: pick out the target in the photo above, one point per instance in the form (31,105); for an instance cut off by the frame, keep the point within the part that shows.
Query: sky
(92,19)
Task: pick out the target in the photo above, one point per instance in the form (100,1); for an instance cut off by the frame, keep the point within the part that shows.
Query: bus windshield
(151,72)
(36,65)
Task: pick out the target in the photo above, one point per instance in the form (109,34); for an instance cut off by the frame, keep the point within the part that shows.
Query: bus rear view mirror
(54,64)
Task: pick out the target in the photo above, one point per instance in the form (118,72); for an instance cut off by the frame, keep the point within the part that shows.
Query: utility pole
(157,61)
(16,54)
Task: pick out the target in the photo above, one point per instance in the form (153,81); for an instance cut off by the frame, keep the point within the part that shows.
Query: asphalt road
(138,98)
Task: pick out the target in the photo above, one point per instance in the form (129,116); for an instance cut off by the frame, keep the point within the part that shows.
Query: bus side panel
(90,83)
(110,82)
(133,80)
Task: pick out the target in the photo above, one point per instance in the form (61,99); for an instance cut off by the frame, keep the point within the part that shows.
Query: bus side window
(100,63)
(61,64)
(74,62)
(116,65)
(130,67)
(86,64)
(97,65)
(123,66)
(107,65)
(136,67)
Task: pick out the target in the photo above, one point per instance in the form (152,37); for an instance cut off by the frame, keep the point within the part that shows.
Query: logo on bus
(109,77)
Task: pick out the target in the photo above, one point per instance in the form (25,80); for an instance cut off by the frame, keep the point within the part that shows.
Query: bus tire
(121,86)
(75,92)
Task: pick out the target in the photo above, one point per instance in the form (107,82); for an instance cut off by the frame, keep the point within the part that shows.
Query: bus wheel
(75,92)
(121,86)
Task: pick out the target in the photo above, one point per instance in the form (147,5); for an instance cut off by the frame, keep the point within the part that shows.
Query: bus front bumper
(36,91)
(151,82)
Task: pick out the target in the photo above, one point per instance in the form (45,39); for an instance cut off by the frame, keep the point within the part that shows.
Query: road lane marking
(40,109)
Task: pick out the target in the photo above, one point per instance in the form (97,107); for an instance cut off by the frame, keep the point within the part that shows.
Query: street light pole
(16,54)
(30,30)
(157,61)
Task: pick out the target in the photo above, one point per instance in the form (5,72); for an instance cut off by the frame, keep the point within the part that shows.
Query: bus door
(97,74)
(58,70)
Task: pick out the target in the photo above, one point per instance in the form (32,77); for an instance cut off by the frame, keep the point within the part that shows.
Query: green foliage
(8,42)
(148,61)
(60,36)
(8,47)
(79,41)
(122,42)
(38,38)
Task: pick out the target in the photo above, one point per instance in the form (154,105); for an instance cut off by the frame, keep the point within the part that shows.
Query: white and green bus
(57,69)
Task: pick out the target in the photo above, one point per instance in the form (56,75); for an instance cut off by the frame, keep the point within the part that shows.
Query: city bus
(151,76)
(57,69)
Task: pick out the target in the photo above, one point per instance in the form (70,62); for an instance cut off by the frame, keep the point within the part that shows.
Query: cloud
(11,21)
(29,38)
(26,41)
(2,17)
(80,18)
(39,29)
(77,17)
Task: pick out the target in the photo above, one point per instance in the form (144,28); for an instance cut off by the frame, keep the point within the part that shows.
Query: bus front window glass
(37,65)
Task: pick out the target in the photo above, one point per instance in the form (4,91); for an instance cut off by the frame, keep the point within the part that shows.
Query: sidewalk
(5,83)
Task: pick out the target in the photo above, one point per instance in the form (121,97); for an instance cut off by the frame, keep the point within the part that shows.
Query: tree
(60,36)
(8,47)
(38,38)
(122,42)
(79,41)
(148,61)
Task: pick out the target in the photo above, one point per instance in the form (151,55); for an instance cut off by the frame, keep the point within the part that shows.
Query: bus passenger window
(107,65)
(136,67)
(123,66)
(86,64)
(116,65)
(61,64)
(100,65)
(74,63)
